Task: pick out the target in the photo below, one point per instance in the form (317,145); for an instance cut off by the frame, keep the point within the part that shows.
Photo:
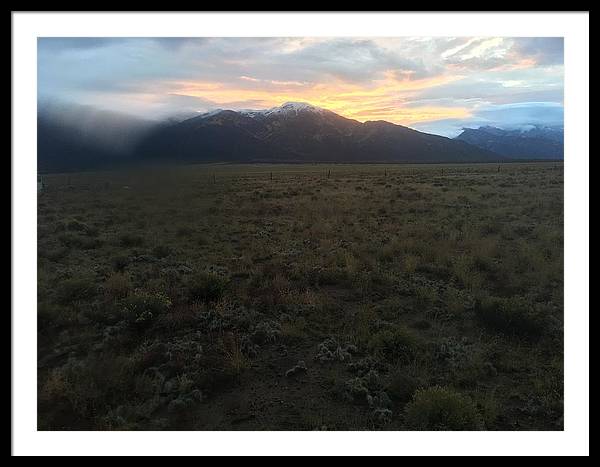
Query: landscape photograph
(300,233)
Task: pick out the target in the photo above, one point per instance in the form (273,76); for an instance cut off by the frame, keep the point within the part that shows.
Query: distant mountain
(73,138)
(533,142)
(299,132)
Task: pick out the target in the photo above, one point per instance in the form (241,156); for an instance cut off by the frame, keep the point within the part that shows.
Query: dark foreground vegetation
(302,298)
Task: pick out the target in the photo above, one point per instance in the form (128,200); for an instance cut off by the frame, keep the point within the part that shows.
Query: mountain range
(533,142)
(298,132)
(293,132)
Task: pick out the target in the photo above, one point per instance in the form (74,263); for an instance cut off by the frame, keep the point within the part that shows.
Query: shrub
(119,263)
(402,387)
(77,241)
(118,285)
(56,254)
(141,308)
(294,329)
(202,239)
(356,391)
(491,228)
(184,231)
(130,240)
(235,359)
(266,332)
(75,289)
(49,314)
(395,343)
(465,272)
(161,251)
(425,295)
(89,387)
(422,324)
(513,315)
(329,277)
(216,374)
(78,226)
(440,408)
(411,262)
(206,287)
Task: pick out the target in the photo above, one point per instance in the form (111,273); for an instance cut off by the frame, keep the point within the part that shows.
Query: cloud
(523,113)
(517,115)
(544,50)
(65,44)
(405,80)
(356,60)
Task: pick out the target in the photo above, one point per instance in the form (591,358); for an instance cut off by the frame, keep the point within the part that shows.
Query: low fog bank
(77,137)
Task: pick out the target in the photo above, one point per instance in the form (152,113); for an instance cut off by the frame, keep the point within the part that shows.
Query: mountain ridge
(301,132)
(294,132)
(531,142)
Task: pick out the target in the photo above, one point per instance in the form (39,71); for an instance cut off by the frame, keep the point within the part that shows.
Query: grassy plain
(302,297)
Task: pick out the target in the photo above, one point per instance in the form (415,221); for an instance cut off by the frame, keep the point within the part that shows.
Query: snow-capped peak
(287,108)
(294,107)
(210,113)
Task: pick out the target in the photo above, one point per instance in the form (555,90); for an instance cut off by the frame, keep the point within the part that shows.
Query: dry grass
(454,280)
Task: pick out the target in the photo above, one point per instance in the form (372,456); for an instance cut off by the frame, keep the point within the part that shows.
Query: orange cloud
(380,100)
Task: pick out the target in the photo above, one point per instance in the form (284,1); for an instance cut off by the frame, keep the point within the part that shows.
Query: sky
(434,84)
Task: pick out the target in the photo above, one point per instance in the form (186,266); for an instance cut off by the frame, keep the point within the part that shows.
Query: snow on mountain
(211,113)
(293,108)
(289,108)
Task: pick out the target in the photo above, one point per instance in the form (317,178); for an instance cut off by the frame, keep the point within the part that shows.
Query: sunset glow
(358,102)
(435,84)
